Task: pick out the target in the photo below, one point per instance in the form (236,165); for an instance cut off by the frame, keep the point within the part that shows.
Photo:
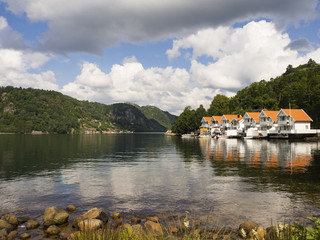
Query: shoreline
(70,222)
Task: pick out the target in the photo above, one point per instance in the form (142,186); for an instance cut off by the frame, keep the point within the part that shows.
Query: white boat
(187,135)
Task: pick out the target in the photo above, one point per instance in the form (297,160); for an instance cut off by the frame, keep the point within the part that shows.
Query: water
(228,180)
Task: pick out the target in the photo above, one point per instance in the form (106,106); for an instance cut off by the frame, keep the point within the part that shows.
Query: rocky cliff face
(132,118)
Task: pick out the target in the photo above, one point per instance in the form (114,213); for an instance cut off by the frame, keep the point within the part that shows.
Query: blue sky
(169,54)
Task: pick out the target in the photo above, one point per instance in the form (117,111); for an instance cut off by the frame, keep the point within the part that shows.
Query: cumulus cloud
(91,25)
(168,88)
(239,56)
(15,66)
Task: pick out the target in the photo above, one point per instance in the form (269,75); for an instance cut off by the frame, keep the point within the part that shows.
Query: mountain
(27,110)
(154,113)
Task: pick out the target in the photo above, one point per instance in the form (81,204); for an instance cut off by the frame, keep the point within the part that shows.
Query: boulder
(64,235)
(25,236)
(10,218)
(54,216)
(53,230)
(115,215)
(90,224)
(5,225)
(71,208)
(153,219)
(135,220)
(247,227)
(3,234)
(93,213)
(23,219)
(117,223)
(12,235)
(32,224)
(137,229)
(153,228)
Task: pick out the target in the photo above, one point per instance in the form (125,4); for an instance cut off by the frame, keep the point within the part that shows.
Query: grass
(192,230)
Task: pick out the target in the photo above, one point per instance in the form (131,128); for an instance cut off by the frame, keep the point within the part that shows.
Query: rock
(74,235)
(90,224)
(117,223)
(53,230)
(135,220)
(247,227)
(12,235)
(25,236)
(71,208)
(54,216)
(115,215)
(32,224)
(3,234)
(64,236)
(153,219)
(174,229)
(153,228)
(258,234)
(93,213)
(137,229)
(10,218)
(23,219)
(5,225)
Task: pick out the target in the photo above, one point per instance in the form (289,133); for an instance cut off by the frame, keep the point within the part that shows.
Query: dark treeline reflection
(28,155)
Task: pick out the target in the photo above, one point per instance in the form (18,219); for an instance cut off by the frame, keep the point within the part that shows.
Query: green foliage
(219,106)
(189,120)
(27,110)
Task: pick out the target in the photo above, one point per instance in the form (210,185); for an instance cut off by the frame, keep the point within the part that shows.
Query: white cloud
(167,88)
(239,56)
(91,25)
(15,66)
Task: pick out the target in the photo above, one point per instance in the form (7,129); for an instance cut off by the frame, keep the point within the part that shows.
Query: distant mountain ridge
(27,110)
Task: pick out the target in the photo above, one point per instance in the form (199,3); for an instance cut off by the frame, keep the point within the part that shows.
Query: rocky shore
(56,223)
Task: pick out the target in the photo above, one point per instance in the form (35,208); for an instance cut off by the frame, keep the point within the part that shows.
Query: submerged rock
(32,224)
(53,230)
(12,235)
(25,236)
(10,218)
(71,208)
(23,219)
(3,234)
(54,216)
(5,225)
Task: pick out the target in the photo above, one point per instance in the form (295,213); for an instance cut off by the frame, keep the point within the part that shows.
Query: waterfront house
(205,125)
(251,119)
(231,121)
(293,120)
(267,121)
(216,121)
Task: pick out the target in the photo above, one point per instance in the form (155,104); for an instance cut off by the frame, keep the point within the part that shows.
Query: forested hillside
(27,110)
(296,88)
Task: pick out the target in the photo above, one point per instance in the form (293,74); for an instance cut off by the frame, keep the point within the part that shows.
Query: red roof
(298,115)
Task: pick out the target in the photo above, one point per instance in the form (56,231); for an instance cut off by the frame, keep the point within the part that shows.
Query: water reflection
(235,179)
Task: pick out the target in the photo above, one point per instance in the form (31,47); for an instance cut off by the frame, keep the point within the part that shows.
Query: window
(307,127)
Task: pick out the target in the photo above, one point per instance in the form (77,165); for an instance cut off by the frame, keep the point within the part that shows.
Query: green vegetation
(184,231)
(296,88)
(27,110)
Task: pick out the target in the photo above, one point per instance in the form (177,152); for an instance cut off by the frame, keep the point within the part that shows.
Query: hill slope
(26,110)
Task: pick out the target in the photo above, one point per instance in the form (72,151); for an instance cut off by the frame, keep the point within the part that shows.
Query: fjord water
(229,179)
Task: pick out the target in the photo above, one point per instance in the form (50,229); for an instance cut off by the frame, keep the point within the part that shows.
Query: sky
(169,53)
